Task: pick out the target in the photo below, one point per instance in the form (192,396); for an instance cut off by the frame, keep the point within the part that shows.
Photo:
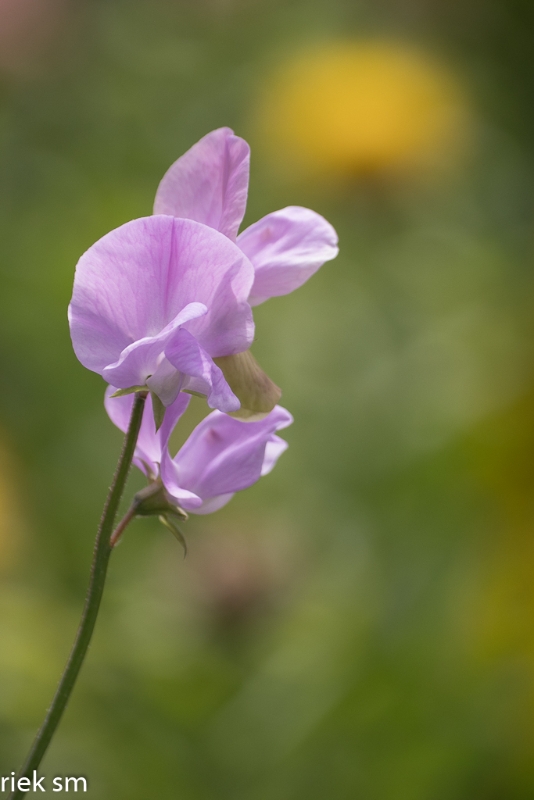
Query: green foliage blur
(360,624)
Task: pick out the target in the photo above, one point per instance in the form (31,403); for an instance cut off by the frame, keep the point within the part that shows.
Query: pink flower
(222,456)
(163,302)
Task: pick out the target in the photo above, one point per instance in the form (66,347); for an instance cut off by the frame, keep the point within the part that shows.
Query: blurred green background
(361,623)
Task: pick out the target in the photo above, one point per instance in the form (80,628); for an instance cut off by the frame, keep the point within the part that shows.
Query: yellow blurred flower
(368,107)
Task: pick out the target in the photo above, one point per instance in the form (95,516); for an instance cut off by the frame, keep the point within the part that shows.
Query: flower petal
(223,455)
(165,382)
(286,248)
(203,375)
(209,183)
(142,359)
(150,444)
(274,449)
(211,505)
(228,327)
(135,280)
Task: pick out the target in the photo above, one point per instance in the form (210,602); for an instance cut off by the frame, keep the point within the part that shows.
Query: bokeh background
(361,623)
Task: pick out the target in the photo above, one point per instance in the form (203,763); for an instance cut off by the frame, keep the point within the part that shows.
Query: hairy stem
(102,552)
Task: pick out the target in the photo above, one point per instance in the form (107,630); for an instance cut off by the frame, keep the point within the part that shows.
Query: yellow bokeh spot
(361,108)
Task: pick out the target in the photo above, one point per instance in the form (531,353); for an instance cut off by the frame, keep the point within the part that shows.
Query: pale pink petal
(213,504)
(200,372)
(273,450)
(165,382)
(286,248)
(171,475)
(209,183)
(142,359)
(228,327)
(223,455)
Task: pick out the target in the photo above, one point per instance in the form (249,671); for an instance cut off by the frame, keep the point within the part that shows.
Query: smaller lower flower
(222,456)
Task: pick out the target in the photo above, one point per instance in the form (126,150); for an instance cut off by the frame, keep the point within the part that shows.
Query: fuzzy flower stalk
(162,309)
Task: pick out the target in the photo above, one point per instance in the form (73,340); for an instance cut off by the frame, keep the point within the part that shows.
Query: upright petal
(135,281)
(228,327)
(286,248)
(150,443)
(209,183)
(223,455)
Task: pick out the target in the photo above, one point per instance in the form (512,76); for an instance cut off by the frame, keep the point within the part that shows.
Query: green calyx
(170,523)
(154,500)
(256,392)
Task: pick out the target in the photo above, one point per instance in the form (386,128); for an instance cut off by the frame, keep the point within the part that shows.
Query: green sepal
(129,390)
(174,529)
(254,389)
(159,410)
(154,500)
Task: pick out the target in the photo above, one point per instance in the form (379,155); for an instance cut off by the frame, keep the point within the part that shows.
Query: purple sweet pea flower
(163,303)
(155,301)
(222,456)
(209,184)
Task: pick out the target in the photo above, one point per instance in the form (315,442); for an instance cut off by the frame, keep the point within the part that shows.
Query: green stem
(102,552)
